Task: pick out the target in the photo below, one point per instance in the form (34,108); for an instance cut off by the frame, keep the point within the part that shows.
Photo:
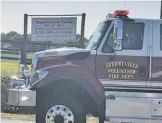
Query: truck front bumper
(21,97)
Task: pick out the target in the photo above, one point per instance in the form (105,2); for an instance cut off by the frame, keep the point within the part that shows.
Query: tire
(59,103)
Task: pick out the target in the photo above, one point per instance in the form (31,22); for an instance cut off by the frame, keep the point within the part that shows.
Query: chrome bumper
(21,97)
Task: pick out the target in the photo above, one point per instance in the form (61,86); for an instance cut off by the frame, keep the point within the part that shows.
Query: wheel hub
(59,114)
(59,119)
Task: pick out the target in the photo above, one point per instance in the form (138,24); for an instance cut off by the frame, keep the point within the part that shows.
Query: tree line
(15,36)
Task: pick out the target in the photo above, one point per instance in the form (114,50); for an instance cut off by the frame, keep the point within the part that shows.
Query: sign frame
(26,41)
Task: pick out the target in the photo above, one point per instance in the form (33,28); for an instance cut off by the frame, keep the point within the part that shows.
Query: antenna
(125,3)
(161,11)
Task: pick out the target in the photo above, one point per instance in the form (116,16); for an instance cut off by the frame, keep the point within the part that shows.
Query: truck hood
(66,51)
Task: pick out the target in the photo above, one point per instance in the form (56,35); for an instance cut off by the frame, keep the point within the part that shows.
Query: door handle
(110,97)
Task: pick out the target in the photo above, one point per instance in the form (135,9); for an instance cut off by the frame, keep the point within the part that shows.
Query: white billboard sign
(56,30)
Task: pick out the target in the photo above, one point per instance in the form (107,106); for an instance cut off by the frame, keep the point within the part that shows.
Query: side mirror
(118,29)
(118,34)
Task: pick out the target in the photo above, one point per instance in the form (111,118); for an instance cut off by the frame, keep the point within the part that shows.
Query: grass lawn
(29,55)
(9,66)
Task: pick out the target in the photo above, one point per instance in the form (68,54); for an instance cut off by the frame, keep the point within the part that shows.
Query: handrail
(150,59)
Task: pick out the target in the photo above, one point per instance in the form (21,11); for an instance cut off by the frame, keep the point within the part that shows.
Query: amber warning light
(121,12)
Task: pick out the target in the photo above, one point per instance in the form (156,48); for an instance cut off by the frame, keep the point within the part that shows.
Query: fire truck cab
(117,77)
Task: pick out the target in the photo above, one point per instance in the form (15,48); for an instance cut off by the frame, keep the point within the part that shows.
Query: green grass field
(9,66)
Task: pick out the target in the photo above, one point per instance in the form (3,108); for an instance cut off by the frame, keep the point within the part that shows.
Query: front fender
(78,74)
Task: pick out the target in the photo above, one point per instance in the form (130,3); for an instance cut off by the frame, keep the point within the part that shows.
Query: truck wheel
(63,109)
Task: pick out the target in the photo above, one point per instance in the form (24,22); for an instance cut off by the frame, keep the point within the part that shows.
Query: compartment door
(134,107)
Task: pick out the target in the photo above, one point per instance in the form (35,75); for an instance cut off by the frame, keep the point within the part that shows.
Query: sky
(12,12)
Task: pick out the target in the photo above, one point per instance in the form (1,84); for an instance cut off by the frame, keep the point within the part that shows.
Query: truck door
(130,66)
(156,57)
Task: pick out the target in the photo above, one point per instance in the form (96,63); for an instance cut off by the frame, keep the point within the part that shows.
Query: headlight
(25,98)
(39,75)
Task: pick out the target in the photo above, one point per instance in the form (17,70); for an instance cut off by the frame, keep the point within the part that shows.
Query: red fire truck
(117,77)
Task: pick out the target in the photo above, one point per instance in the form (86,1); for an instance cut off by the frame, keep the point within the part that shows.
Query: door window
(98,35)
(133,34)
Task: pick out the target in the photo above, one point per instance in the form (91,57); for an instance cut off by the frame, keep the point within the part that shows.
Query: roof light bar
(121,12)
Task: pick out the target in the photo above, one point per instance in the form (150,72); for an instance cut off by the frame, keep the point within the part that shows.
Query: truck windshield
(98,35)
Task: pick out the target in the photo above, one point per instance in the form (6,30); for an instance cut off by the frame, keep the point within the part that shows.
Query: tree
(3,36)
(78,37)
(17,37)
(12,33)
